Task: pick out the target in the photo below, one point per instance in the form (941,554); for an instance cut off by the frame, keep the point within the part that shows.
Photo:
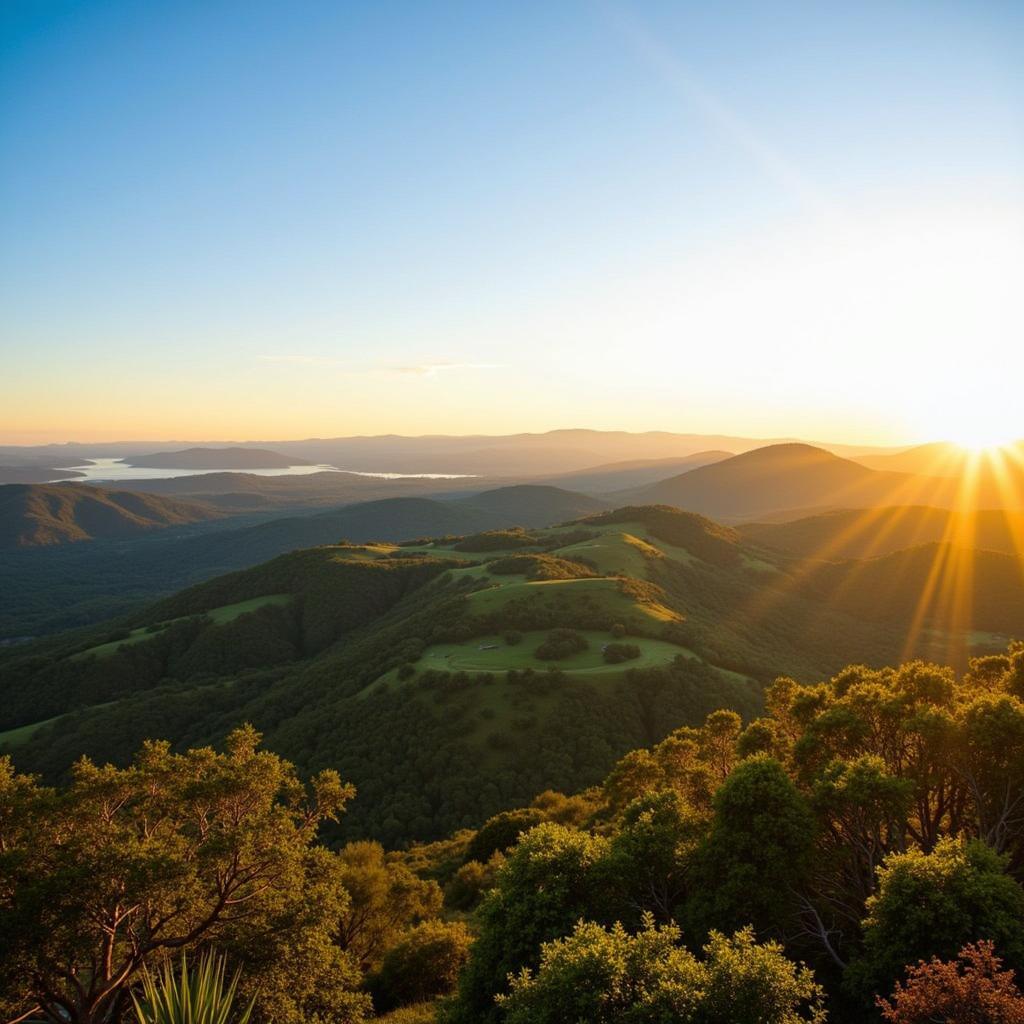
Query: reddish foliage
(973,989)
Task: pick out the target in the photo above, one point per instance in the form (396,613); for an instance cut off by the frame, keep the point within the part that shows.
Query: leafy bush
(614,653)
(561,643)
(423,964)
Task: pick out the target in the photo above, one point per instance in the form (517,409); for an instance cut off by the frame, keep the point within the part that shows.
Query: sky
(256,220)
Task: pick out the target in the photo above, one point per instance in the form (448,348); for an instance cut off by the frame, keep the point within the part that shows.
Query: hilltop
(34,515)
(784,477)
(452,677)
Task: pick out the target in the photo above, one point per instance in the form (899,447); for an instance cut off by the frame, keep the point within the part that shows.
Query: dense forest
(855,853)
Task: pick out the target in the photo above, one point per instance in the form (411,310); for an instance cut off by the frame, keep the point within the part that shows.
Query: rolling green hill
(33,515)
(455,677)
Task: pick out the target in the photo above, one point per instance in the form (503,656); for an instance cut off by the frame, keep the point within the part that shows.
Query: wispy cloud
(432,369)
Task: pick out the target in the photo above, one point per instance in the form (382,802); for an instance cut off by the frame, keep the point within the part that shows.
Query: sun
(979,439)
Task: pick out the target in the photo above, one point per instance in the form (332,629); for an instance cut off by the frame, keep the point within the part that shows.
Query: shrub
(561,643)
(424,964)
(614,653)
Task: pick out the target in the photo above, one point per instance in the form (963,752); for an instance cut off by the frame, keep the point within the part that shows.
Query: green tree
(125,866)
(385,897)
(933,904)
(607,976)
(422,965)
(552,879)
(751,864)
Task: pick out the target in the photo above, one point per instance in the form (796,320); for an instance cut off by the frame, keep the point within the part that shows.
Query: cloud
(432,369)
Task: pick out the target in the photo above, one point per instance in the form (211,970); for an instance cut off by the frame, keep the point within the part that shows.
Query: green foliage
(551,879)
(200,995)
(497,540)
(385,897)
(756,852)
(561,643)
(539,567)
(502,831)
(931,905)
(105,877)
(423,964)
(608,976)
(614,653)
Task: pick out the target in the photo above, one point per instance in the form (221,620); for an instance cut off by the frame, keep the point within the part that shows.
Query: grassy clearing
(492,654)
(16,737)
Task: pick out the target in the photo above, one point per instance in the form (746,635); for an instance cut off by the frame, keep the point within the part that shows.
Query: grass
(467,657)
(15,737)
(602,592)
(219,616)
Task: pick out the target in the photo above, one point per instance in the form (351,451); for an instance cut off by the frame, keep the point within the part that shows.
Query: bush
(561,643)
(618,630)
(614,653)
(406,671)
(424,964)
(513,637)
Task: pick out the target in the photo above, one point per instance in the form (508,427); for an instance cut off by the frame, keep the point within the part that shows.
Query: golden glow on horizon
(984,481)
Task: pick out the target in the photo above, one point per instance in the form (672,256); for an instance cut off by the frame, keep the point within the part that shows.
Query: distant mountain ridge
(216,458)
(788,476)
(34,515)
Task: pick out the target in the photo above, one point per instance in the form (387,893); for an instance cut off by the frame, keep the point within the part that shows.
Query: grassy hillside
(34,515)
(455,677)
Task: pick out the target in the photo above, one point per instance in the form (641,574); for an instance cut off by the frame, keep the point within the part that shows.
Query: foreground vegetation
(855,854)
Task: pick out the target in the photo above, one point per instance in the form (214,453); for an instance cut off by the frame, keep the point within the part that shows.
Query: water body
(112,470)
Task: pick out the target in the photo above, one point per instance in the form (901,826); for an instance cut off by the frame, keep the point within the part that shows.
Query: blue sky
(258,220)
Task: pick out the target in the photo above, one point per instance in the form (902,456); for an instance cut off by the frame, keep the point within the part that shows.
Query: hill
(216,458)
(454,677)
(249,492)
(533,504)
(618,476)
(869,533)
(34,515)
(788,476)
(56,589)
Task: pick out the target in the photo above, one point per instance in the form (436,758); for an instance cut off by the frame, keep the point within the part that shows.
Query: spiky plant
(193,995)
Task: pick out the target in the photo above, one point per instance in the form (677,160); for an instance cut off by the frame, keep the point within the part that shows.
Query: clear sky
(258,220)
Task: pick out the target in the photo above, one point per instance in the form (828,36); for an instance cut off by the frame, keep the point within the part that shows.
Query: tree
(125,866)
(749,867)
(552,878)
(607,976)
(385,897)
(650,854)
(973,989)
(422,965)
(933,904)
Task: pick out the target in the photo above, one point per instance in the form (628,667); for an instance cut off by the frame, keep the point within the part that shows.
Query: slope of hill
(533,504)
(869,533)
(250,492)
(216,458)
(618,476)
(452,678)
(56,589)
(40,514)
(788,476)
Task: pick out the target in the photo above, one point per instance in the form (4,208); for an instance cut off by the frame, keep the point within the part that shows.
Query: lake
(107,470)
